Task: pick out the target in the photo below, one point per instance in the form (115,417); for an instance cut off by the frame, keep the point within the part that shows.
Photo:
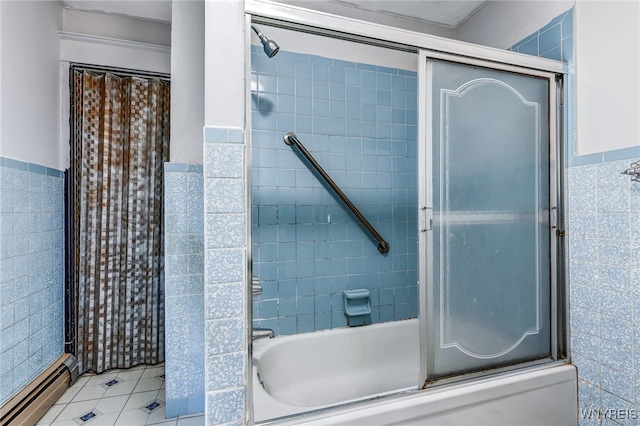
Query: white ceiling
(444,13)
(153,10)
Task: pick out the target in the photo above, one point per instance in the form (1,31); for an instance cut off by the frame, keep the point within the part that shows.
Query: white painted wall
(501,24)
(30,81)
(607,35)
(120,27)
(187,81)
(111,41)
(116,41)
(224,63)
(30,54)
(607,61)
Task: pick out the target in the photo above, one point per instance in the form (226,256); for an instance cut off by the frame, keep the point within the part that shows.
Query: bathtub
(370,374)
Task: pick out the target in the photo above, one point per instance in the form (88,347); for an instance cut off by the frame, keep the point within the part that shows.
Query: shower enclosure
(484,211)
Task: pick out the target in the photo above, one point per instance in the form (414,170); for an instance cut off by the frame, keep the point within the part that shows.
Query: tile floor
(132,397)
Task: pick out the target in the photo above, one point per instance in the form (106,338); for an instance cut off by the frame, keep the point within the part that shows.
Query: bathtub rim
(549,373)
(259,347)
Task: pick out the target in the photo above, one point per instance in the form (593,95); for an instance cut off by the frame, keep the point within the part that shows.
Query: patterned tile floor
(132,397)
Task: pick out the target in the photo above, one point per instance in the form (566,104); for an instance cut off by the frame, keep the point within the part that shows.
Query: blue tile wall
(225,283)
(359,122)
(31,272)
(184,288)
(604,260)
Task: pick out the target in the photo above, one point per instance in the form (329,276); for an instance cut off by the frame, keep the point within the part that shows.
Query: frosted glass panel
(490,278)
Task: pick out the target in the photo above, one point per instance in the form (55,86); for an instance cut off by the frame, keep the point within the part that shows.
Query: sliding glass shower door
(486,218)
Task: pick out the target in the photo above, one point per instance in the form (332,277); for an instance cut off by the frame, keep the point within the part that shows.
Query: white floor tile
(149,384)
(120,405)
(100,379)
(124,388)
(76,409)
(153,372)
(137,367)
(89,392)
(68,395)
(139,400)
(132,418)
(107,419)
(82,381)
(157,416)
(130,374)
(114,404)
(64,423)
(51,415)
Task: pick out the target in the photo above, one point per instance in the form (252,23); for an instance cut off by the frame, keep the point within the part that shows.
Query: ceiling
(444,13)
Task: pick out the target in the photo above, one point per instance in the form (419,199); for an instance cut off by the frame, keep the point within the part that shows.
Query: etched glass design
(491,218)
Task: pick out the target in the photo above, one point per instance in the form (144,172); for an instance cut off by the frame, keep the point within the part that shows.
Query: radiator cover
(31,403)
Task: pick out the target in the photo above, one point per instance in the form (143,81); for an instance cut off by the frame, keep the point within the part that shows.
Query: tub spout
(262,333)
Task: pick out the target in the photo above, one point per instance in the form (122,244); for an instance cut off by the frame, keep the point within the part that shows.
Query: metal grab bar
(290,138)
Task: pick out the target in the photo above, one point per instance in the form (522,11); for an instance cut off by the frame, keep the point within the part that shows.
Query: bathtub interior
(307,372)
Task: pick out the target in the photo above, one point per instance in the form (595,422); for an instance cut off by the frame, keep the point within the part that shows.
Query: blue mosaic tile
(224,266)
(616,331)
(174,181)
(613,200)
(225,230)
(224,196)
(589,393)
(224,336)
(589,371)
(608,174)
(582,200)
(615,278)
(619,399)
(583,250)
(586,345)
(617,357)
(616,304)
(224,371)
(225,406)
(582,177)
(614,253)
(224,160)
(635,288)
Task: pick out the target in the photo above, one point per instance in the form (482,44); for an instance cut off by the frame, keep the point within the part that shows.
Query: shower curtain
(120,141)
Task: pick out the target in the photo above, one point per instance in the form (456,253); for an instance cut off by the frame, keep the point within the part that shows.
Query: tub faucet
(262,333)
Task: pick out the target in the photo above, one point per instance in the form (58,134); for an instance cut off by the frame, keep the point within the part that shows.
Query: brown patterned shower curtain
(120,142)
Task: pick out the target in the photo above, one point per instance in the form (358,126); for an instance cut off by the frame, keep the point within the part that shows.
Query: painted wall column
(225,205)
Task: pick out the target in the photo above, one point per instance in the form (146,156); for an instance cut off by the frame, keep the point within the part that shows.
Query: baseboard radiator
(31,403)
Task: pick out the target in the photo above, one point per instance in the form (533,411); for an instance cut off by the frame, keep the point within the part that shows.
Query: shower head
(270,46)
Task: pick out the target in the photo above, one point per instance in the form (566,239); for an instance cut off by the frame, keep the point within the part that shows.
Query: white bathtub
(309,372)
